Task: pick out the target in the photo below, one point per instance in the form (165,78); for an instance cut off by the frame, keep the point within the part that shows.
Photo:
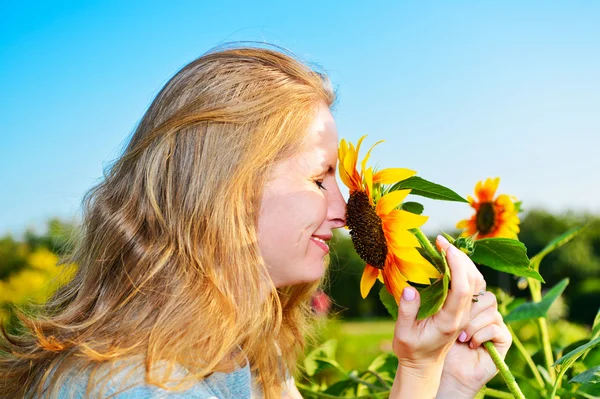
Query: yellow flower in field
(380,232)
(493,217)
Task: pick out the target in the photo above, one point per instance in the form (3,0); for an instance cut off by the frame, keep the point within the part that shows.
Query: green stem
(527,357)
(535,288)
(427,246)
(494,393)
(380,379)
(508,378)
(556,383)
(365,383)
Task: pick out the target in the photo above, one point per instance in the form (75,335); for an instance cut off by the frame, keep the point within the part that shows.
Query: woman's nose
(337,208)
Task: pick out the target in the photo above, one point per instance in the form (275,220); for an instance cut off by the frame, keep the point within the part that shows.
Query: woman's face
(301,206)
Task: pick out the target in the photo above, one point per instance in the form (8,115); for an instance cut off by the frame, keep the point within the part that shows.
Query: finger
(408,307)
(460,292)
(495,333)
(479,322)
(484,301)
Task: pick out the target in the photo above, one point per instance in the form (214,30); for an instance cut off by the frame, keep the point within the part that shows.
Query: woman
(200,249)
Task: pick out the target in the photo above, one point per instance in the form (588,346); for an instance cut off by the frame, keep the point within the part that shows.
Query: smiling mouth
(320,243)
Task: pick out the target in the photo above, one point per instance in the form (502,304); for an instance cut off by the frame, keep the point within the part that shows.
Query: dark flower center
(486,216)
(366,230)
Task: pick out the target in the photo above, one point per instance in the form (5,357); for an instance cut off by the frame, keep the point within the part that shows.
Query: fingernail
(453,250)
(442,239)
(408,294)
(462,337)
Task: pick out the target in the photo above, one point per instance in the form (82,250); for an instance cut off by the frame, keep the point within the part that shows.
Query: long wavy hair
(169,270)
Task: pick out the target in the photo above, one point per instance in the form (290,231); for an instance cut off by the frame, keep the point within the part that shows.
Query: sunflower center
(486,216)
(366,230)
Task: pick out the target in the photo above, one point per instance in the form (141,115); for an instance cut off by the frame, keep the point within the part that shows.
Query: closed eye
(319,183)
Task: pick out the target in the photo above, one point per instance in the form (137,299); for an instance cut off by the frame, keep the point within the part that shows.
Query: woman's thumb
(408,307)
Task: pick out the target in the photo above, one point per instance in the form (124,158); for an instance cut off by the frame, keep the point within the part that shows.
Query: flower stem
(535,288)
(508,378)
(494,393)
(527,357)
(426,244)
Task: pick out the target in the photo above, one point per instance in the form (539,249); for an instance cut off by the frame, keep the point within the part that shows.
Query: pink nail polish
(408,294)
(462,337)
(442,239)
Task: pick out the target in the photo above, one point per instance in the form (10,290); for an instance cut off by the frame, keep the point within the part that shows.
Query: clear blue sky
(459,90)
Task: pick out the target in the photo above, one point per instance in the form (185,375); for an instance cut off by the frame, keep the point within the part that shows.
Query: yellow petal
(344,177)
(367,280)
(485,191)
(394,281)
(462,224)
(419,273)
(390,201)
(398,236)
(360,140)
(363,165)
(409,254)
(392,175)
(369,184)
(403,219)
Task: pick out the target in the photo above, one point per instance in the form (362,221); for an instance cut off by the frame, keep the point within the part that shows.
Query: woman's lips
(321,243)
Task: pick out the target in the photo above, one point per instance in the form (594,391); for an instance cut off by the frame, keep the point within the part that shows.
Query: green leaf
(555,243)
(342,388)
(591,376)
(434,295)
(389,302)
(596,326)
(321,357)
(533,310)
(572,356)
(424,188)
(505,255)
(413,207)
(385,365)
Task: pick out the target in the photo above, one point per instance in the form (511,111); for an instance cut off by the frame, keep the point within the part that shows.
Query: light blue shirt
(234,385)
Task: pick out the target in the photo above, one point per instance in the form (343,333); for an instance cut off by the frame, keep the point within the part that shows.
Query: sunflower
(380,232)
(493,217)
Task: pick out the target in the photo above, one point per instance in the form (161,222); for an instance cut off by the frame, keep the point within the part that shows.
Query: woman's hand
(422,345)
(468,366)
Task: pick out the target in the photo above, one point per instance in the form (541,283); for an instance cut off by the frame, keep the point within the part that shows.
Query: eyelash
(319,183)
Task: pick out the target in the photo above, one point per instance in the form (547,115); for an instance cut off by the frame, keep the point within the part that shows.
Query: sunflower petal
(369,184)
(390,201)
(394,281)
(419,273)
(398,236)
(392,175)
(403,219)
(408,254)
(363,164)
(360,140)
(462,224)
(367,280)
(485,191)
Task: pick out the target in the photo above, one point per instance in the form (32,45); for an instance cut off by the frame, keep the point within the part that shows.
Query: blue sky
(459,90)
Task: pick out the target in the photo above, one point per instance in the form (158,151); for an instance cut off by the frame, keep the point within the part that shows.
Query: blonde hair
(168,263)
